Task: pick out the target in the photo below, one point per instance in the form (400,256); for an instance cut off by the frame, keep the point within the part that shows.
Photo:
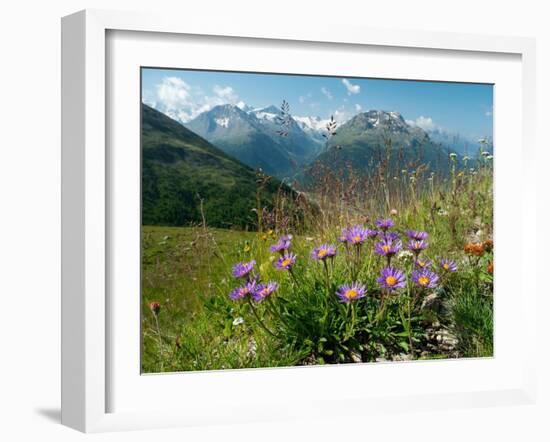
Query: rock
(432,302)
(251,353)
(402,357)
(310,360)
(355,357)
(441,341)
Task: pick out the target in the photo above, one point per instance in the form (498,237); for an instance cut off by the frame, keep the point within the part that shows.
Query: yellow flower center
(356,238)
(421,263)
(386,248)
(351,294)
(322,253)
(391,281)
(446,266)
(286,262)
(423,280)
(264,292)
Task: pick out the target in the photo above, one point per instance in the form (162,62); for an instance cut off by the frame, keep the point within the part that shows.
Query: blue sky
(462,108)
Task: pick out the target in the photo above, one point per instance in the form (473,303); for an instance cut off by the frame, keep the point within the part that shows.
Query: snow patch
(223,122)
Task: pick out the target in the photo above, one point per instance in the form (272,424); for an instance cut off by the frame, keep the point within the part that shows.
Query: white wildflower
(405,256)
(238,321)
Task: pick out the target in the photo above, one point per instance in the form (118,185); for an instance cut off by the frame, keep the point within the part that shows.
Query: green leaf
(404,345)
(228,326)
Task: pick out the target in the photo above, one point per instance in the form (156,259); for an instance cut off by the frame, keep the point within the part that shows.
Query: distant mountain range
(215,156)
(251,136)
(179,168)
(375,138)
(455,142)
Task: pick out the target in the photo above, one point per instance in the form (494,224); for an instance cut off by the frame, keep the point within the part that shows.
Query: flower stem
(161,347)
(258,318)
(293,276)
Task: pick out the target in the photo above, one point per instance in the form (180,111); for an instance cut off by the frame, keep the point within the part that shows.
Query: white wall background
(30,215)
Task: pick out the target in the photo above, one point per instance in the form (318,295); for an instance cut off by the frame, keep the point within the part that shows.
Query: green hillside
(178,166)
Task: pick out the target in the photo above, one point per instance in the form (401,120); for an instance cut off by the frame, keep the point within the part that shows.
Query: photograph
(296,220)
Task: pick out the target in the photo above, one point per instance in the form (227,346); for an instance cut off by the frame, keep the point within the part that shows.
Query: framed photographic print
(319,217)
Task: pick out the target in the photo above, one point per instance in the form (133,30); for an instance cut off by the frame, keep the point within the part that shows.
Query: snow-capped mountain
(363,142)
(315,127)
(253,137)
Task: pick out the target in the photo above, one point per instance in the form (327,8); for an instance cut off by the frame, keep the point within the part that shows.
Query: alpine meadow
(296,220)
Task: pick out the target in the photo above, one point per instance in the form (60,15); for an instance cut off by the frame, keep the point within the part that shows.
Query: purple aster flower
(323,252)
(286,261)
(356,235)
(343,236)
(388,247)
(384,224)
(387,236)
(425,279)
(417,246)
(282,245)
(264,290)
(348,293)
(242,269)
(240,292)
(372,233)
(447,265)
(417,235)
(422,263)
(391,279)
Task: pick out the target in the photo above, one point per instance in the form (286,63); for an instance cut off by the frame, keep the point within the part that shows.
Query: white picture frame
(86,207)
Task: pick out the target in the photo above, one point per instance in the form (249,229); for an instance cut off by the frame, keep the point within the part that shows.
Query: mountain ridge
(182,171)
(254,138)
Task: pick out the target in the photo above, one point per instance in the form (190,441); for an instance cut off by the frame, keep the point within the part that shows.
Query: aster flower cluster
(252,286)
(386,243)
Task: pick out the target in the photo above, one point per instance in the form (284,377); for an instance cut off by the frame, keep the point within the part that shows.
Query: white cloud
(358,107)
(342,114)
(173,93)
(326,93)
(183,102)
(226,93)
(301,99)
(423,122)
(352,88)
